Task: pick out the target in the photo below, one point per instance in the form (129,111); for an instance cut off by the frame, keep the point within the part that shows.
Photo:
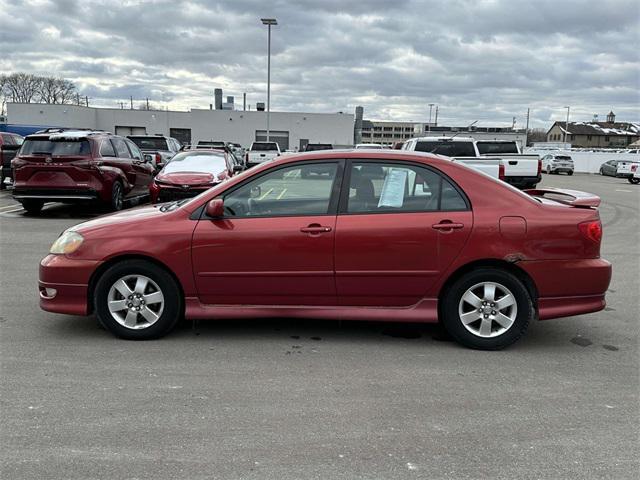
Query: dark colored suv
(79,165)
(9,145)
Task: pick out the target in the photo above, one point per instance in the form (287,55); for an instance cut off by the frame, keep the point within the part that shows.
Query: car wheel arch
(95,276)
(496,264)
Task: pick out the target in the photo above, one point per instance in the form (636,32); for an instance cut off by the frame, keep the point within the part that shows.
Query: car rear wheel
(137,300)
(32,207)
(487,309)
(548,170)
(633,180)
(570,172)
(117,196)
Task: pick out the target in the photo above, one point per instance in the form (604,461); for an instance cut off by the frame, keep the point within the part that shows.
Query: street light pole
(566,125)
(268,22)
(430,109)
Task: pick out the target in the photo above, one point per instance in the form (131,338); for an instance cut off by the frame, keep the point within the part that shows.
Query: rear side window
(135,152)
(121,148)
(58,147)
(450,149)
(6,139)
(106,149)
(385,188)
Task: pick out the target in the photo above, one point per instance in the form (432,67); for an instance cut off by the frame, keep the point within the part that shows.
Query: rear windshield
(497,147)
(205,162)
(264,146)
(57,147)
(318,146)
(563,157)
(150,143)
(450,149)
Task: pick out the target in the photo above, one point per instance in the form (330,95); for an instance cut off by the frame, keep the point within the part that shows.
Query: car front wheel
(32,207)
(487,309)
(633,180)
(117,196)
(137,300)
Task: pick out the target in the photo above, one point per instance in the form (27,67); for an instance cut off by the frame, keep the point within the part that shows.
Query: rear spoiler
(574,198)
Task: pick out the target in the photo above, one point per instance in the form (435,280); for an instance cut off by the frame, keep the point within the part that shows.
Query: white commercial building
(292,130)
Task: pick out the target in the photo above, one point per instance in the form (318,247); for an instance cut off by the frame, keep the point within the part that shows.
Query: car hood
(186,178)
(132,215)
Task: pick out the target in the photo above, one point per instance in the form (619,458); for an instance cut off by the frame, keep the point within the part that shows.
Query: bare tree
(22,87)
(537,135)
(56,90)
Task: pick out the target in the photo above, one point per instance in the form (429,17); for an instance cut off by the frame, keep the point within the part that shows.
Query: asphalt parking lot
(289,399)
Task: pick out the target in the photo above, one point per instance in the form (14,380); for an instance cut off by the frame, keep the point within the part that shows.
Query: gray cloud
(479,60)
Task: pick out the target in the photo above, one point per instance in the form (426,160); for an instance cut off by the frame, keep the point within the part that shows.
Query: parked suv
(79,165)
(9,145)
(162,149)
(557,162)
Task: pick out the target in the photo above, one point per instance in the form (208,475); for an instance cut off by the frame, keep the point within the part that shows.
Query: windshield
(264,146)
(43,146)
(497,147)
(205,162)
(150,143)
(448,148)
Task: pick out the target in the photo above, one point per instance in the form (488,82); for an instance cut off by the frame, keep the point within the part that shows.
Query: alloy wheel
(487,309)
(135,302)
(117,196)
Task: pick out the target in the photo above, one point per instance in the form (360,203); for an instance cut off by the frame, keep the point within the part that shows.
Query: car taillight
(539,166)
(158,158)
(591,230)
(246,157)
(634,167)
(501,171)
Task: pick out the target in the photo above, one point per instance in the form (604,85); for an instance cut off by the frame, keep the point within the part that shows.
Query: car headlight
(67,243)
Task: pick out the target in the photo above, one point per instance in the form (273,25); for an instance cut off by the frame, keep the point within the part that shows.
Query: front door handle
(447,225)
(315,228)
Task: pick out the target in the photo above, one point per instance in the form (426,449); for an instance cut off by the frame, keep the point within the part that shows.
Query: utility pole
(430,109)
(86,100)
(147,103)
(526,131)
(131,100)
(436,120)
(566,125)
(269,22)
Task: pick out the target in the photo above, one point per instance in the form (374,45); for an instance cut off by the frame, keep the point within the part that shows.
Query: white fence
(588,162)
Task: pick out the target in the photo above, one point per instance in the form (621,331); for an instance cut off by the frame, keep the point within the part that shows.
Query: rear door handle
(447,225)
(315,228)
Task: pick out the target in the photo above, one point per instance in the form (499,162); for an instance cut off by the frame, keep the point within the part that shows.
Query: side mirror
(255,192)
(215,208)
(237,168)
(147,158)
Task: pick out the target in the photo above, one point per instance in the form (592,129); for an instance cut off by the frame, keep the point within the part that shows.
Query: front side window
(299,190)
(384,188)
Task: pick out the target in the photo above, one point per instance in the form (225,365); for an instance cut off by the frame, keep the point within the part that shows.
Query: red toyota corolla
(189,173)
(350,235)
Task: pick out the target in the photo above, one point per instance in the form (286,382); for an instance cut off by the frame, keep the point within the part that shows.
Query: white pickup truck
(520,170)
(261,152)
(626,168)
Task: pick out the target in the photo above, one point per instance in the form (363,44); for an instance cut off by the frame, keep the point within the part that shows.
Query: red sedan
(190,173)
(377,235)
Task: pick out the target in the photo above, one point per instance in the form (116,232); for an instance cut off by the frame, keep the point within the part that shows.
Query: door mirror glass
(256,192)
(215,208)
(148,158)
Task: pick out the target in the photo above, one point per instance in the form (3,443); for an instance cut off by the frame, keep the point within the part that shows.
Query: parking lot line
(620,190)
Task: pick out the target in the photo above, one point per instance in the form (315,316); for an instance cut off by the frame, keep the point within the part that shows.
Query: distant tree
(537,135)
(22,87)
(57,90)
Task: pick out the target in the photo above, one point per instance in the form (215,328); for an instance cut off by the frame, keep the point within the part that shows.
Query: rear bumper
(57,194)
(569,287)
(64,284)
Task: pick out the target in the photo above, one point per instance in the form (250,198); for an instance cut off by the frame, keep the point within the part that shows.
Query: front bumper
(64,284)
(569,287)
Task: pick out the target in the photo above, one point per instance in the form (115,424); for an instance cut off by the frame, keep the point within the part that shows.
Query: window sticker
(393,188)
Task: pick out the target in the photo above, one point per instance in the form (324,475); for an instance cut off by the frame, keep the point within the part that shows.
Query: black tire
(2,185)
(601,171)
(634,181)
(172,308)
(32,207)
(117,196)
(548,170)
(523,315)
(570,172)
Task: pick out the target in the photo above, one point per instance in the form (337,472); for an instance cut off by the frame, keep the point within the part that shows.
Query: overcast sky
(478,60)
